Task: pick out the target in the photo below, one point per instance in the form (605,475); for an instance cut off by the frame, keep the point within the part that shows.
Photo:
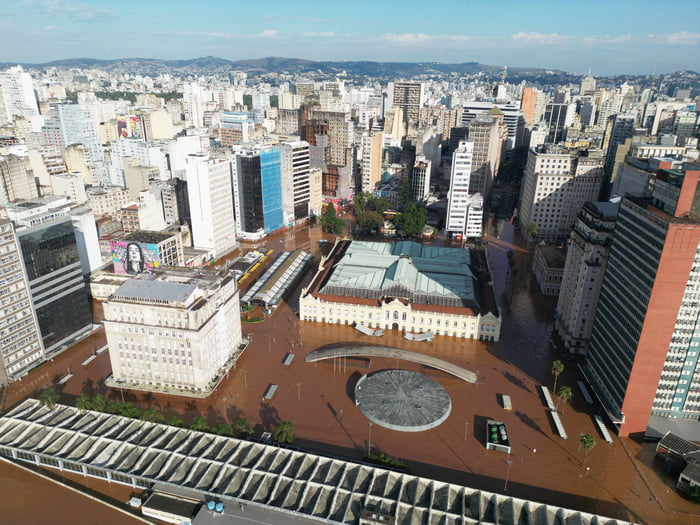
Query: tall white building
(420,178)
(20,338)
(210,194)
(558,181)
(296,185)
(17,97)
(177,330)
(371,160)
(458,198)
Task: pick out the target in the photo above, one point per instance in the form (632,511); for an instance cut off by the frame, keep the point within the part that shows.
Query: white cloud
(595,40)
(71,10)
(265,34)
(328,34)
(684,38)
(539,38)
(422,38)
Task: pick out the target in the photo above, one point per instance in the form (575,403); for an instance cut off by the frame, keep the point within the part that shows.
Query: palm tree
(587,442)
(83,402)
(557,368)
(200,424)
(175,421)
(48,398)
(130,410)
(243,427)
(565,394)
(223,429)
(151,414)
(99,403)
(284,432)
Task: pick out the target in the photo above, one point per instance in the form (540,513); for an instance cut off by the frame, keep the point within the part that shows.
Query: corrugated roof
(419,269)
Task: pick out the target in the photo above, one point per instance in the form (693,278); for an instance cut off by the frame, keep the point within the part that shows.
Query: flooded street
(620,480)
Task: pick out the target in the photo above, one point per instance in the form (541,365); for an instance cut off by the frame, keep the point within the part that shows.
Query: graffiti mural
(134,257)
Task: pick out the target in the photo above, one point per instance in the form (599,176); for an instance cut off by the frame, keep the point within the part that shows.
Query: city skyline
(605,38)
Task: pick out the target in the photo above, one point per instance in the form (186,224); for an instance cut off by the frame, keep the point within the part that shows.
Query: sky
(606,36)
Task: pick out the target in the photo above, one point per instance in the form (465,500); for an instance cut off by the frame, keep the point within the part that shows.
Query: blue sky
(611,36)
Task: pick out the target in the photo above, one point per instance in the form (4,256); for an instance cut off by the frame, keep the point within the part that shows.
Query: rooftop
(428,274)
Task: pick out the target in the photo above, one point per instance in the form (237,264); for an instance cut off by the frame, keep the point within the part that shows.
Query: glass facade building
(60,298)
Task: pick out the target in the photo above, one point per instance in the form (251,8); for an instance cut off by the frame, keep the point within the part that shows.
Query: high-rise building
(409,96)
(20,339)
(643,355)
(340,135)
(210,197)
(371,161)
(588,85)
(558,118)
(17,98)
(459,201)
(488,133)
(558,181)
(512,117)
(51,258)
(258,191)
(296,165)
(16,180)
(236,128)
(532,105)
(621,128)
(173,330)
(420,179)
(586,259)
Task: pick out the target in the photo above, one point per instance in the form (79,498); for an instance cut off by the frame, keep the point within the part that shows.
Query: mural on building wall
(129,127)
(134,257)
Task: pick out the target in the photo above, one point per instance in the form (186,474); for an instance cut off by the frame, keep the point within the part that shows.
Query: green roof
(427,274)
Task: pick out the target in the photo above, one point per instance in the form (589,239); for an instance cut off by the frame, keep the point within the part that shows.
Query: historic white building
(177,330)
(404,286)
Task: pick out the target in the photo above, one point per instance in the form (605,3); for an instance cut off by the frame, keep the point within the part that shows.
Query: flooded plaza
(619,480)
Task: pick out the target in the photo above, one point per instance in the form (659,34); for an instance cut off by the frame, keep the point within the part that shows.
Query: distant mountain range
(326,69)
(288,65)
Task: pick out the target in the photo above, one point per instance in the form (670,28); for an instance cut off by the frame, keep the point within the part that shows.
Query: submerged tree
(557,368)
(587,442)
(284,432)
(48,398)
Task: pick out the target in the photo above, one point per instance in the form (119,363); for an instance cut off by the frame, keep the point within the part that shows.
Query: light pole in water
(505,487)
(369,441)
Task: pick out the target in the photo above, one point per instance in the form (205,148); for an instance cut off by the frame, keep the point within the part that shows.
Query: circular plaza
(402,400)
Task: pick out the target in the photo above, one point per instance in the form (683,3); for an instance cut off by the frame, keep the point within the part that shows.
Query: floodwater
(619,480)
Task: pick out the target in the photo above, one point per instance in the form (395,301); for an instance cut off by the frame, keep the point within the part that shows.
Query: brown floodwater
(620,480)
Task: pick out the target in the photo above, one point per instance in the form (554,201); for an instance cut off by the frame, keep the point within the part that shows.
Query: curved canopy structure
(393,353)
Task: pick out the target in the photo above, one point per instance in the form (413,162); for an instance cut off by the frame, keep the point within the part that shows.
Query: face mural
(133,257)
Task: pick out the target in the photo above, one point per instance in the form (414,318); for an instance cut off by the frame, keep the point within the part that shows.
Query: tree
(532,230)
(83,402)
(565,394)
(130,410)
(360,202)
(99,403)
(152,414)
(200,424)
(48,398)
(223,429)
(412,220)
(243,427)
(405,192)
(557,368)
(114,407)
(587,442)
(330,223)
(284,432)
(370,220)
(175,421)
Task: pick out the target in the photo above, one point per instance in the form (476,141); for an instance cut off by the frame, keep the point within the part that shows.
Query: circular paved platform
(402,400)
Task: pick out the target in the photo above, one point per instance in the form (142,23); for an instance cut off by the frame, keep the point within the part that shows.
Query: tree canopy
(412,220)
(330,223)
(284,432)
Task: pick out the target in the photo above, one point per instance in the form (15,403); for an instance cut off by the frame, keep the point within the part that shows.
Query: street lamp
(505,487)
(466,430)
(369,441)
